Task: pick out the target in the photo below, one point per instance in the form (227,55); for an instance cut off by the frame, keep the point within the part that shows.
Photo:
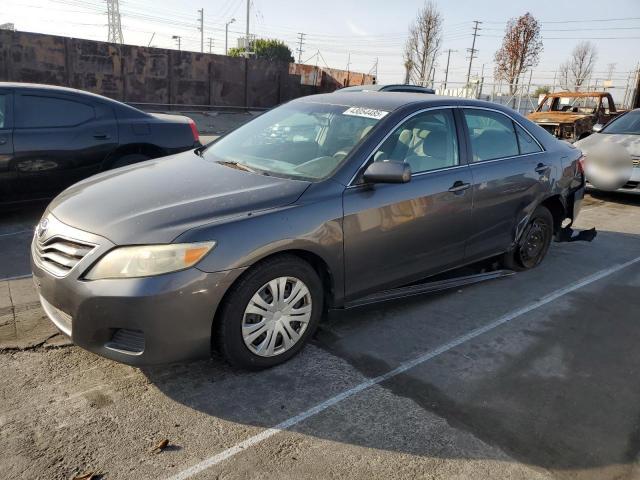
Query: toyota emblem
(42,228)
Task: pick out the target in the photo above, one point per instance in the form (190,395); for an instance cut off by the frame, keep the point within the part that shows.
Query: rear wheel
(534,242)
(270,313)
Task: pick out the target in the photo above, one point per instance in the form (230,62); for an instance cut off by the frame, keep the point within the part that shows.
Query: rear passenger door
(510,177)
(59,139)
(6,144)
(396,233)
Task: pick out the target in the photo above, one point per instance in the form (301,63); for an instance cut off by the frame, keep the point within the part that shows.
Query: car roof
(123,107)
(389,101)
(383,87)
(577,94)
(55,88)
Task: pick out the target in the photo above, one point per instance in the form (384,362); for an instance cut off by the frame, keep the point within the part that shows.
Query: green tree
(268,49)
(542,90)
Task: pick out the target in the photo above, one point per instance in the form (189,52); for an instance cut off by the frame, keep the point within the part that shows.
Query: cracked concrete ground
(554,394)
(23,324)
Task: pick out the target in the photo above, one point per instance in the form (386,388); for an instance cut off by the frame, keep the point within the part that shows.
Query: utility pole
(301,41)
(178,39)
(115,25)
(210,44)
(446,72)
(246,50)
(472,51)
(348,72)
(480,83)
(626,91)
(226,35)
(201,28)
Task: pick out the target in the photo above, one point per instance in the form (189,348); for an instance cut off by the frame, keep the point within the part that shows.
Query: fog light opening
(129,342)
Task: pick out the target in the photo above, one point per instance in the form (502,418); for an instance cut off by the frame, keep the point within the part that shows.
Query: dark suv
(52,137)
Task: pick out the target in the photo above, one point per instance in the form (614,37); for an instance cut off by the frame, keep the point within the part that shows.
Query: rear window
(37,111)
(492,135)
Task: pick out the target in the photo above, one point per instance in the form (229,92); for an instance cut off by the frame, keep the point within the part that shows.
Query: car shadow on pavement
(619,198)
(556,389)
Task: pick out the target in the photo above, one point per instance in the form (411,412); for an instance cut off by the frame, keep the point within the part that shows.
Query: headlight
(148,260)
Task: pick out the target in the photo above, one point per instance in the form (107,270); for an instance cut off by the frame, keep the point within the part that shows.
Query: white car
(620,138)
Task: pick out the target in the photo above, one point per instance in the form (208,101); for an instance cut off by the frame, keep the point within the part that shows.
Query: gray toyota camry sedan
(242,245)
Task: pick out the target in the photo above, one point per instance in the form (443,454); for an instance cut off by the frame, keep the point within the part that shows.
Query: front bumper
(138,321)
(632,186)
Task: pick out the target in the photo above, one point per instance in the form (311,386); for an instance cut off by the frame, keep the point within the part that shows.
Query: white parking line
(251,441)
(18,277)
(16,233)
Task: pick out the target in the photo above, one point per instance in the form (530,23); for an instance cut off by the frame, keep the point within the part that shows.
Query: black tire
(533,244)
(228,329)
(129,159)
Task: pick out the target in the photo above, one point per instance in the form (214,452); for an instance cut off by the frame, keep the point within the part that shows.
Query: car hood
(630,142)
(555,117)
(157,200)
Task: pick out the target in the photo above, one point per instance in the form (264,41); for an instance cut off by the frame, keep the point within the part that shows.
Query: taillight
(194,131)
(581,164)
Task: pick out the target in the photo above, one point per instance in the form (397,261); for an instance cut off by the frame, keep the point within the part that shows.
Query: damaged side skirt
(427,287)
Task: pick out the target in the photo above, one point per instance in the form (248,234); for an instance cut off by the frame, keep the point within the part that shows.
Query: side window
(492,135)
(42,112)
(426,142)
(605,105)
(526,143)
(3,110)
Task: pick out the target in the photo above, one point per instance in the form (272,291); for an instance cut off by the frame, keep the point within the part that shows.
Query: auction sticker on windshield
(365,112)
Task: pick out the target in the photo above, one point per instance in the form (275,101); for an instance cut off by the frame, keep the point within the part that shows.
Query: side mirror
(387,171)
(597,128)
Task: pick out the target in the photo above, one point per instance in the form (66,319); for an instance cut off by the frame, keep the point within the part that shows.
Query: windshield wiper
(239,166)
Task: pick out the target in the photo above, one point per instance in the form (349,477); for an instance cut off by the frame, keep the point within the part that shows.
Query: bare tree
(521,48)
(574,72)
(423,44)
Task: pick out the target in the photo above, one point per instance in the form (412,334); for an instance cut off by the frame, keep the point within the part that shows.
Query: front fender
(314,227)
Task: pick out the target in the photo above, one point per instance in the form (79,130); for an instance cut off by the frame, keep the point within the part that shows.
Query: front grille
(59,255)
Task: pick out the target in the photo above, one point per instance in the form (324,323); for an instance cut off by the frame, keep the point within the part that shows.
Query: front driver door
(397,233)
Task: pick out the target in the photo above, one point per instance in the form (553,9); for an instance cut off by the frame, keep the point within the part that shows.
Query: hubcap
(276,317)
(534,243)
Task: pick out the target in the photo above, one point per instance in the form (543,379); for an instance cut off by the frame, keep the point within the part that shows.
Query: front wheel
(270,313)
(534,242)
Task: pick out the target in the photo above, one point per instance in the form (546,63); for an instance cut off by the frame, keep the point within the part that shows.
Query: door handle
(459,186)
(101,136)
(542,168)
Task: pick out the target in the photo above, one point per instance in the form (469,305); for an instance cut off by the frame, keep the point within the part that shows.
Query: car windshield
(298,140)
(627,124)
(570,104)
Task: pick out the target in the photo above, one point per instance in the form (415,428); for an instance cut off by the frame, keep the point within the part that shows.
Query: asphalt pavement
(532,376)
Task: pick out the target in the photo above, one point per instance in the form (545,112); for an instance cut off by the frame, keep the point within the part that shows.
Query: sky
(355,34)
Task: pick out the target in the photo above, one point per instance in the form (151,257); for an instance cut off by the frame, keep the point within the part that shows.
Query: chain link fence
(524,100)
